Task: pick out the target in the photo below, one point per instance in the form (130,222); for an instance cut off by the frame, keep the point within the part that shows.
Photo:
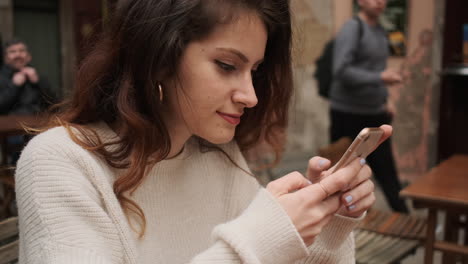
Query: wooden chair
(335,150)
(7,183)
(388,237)
(9,243)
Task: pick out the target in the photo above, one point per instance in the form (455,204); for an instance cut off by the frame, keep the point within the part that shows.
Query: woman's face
(213,85)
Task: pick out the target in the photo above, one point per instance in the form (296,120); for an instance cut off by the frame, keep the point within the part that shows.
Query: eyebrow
(238,54)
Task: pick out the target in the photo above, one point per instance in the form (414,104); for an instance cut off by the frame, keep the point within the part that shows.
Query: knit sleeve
(335,244)
(62,218)
(263,233)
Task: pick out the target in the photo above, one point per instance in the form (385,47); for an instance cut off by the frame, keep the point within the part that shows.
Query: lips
(233,119)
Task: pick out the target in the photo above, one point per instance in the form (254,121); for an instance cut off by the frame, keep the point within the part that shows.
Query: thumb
(288,183)
(387,133)
(316,167)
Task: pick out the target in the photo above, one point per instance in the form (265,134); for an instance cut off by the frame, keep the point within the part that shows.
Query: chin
(219,141)
(221,138)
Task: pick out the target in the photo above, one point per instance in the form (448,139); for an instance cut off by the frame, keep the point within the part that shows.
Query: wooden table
(443,188)
(13,125)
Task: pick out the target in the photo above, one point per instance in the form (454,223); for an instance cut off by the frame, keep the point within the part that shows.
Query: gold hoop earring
(160,93)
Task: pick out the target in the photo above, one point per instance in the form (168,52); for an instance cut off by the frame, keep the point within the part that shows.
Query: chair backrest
(388,237)
(7,184)
(9,243)
(335,150)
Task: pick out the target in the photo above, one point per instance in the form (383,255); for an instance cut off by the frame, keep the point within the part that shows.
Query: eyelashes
(225,66)
(231,68)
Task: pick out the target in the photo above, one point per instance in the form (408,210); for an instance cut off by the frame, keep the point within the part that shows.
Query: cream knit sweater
(199,209)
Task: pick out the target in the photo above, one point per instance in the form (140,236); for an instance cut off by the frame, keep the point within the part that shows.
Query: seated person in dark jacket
(22,89)
(1,51)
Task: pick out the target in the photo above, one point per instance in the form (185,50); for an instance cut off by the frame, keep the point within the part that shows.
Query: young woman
(144,163)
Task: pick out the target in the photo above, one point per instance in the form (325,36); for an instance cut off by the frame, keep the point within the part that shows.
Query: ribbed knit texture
(199,209)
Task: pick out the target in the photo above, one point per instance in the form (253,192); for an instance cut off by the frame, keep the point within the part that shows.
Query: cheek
(199,107)
(190,107)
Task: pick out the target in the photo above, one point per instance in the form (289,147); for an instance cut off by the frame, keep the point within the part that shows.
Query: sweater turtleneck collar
(107,135)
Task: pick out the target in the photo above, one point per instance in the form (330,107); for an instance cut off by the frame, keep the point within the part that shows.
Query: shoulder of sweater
(60,136)
(352,23)
(49,139)
(56,145)
(349,30)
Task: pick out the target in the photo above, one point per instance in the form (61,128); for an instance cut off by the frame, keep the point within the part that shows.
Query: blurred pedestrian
(358,96)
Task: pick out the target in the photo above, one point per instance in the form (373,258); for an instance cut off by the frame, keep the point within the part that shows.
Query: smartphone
(366,141)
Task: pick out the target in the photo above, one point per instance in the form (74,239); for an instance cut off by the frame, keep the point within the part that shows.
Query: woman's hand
(311,206)
(359,196)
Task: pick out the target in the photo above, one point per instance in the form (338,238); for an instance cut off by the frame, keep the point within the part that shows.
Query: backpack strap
(360,34)
(360,28)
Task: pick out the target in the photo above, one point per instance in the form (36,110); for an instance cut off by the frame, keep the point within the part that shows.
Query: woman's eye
(225,66)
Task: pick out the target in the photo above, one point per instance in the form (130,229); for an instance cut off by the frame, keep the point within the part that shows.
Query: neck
(177,145)
(179,135)
(369,19)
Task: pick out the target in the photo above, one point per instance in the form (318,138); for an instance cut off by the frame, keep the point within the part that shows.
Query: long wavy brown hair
(144,43)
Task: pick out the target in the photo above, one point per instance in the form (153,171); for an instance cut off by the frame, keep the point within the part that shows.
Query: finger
(358,208)
(288,183)
(319,211)
(359,192)
(387,133)
(331,205)
(315,168)
(335,182)
(364,174)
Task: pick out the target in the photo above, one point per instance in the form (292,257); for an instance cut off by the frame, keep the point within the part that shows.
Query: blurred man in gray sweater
(358,96)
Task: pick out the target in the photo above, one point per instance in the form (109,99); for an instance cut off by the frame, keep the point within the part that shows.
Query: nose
(245,94)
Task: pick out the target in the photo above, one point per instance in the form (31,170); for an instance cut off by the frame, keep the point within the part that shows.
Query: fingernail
(308,181)
(349,198)
(362,161)
(351,207)
(321,163)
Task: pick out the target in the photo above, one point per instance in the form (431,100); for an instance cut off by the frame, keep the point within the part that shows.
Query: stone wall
(416,100)
(312,28)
